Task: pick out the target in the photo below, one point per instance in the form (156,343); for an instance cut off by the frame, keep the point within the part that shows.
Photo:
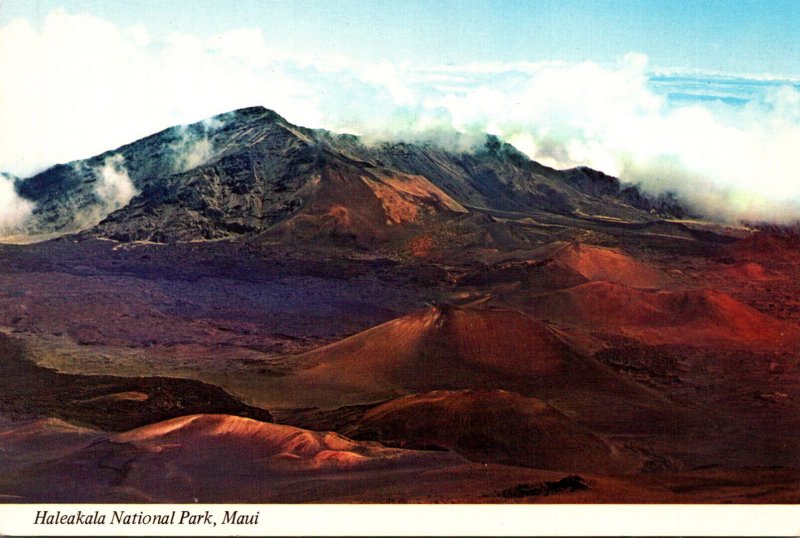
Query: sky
(700,98)
(738,36)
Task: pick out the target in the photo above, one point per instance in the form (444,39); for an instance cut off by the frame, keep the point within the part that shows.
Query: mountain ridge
(243,172)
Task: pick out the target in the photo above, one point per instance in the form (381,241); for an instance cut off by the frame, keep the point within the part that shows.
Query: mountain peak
(252,112)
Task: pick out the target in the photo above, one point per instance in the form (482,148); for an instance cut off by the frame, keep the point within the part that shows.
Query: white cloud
(114,187)
(79,86)
(731,163)
(13,209)
(191,150)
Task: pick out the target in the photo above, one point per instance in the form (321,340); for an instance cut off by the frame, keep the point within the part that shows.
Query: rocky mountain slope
(251,171)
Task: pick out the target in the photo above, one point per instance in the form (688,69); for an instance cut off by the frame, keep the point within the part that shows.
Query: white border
(431,520)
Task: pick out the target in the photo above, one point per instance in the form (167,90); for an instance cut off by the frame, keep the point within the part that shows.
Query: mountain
(250,172)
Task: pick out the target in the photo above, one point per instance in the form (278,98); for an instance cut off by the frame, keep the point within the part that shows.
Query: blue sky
(738,36)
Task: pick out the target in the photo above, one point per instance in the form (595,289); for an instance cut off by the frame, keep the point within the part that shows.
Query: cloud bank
(79,85)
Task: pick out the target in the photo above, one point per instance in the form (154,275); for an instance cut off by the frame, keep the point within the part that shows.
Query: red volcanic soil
(451,348)
(563,265)
(351,203)
(751,272)
(492,426)
(204,438)
(695,317)
(212,457)
(441,348)
(607,264)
